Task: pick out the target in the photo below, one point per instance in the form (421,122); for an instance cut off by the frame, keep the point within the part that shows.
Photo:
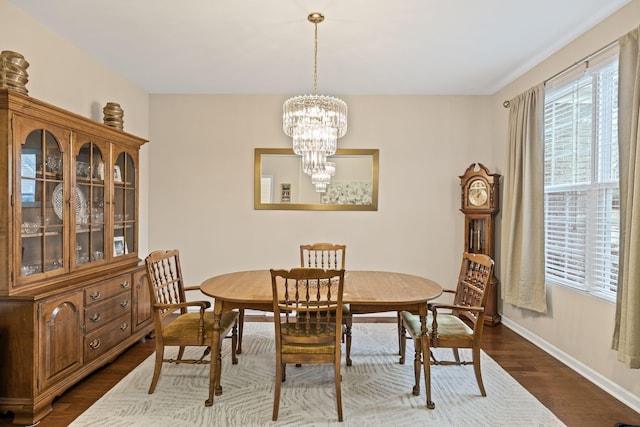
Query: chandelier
(322,178)
(315,122)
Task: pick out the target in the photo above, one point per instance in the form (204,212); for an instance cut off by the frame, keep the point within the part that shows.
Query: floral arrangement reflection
(347,193)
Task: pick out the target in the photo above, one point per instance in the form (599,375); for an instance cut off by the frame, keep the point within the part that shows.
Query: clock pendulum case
(480,192)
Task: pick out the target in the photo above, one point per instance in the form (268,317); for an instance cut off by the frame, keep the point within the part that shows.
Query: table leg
(214,371)
(347,330)
(426,357)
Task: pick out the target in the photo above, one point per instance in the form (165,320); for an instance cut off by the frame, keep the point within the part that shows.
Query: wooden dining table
(379,291)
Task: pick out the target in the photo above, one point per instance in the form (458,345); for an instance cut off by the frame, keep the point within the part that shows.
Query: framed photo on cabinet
(117,174)
(119,246)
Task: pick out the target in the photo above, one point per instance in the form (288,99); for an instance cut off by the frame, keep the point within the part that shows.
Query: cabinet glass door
(42,204)
(89,205)
(124,206)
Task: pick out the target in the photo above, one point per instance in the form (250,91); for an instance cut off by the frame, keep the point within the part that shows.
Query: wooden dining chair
(174,325)
(330,256)
(315,337)
(456,325)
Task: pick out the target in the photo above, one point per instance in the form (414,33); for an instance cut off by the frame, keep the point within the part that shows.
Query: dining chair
(175,325)
(315,337)
(330,256)
(456,325)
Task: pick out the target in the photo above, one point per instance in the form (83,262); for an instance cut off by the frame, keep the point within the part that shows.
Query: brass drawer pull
(95,317)
(95,343)
(124,303)
(125,284)
(124,326)
(96,295)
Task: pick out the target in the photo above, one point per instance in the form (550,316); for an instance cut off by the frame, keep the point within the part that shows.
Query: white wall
(65,76)
(578,328)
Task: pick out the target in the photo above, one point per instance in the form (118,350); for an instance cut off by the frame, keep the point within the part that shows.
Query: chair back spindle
(323,255)
(474,279)
(165,276)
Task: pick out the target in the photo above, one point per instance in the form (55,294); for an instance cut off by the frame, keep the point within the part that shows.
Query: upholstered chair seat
(450,327)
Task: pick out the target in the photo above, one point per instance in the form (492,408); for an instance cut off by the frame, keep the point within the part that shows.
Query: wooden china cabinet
(72,287)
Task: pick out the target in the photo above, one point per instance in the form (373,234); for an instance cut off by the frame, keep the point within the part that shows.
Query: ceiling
(364,46)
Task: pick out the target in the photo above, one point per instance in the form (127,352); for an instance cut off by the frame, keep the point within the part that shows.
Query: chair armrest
(191,288)
(202,304)
(435,306)
(444,291)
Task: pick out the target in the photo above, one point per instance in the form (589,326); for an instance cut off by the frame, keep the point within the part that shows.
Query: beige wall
(197,182)
(63,75)
(201,167)
(578,328)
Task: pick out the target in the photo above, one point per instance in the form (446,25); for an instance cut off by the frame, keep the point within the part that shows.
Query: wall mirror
(280,183)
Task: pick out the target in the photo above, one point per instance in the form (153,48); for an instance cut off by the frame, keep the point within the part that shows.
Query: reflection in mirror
(280,182)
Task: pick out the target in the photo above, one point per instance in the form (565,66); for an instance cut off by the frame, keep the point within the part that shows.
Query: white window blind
(582,203)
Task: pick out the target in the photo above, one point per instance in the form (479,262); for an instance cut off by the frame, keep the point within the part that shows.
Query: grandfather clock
(480,204)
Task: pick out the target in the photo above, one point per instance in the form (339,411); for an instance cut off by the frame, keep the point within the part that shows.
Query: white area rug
(376,390)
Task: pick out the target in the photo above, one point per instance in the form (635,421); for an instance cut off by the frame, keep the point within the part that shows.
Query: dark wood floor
(573,399)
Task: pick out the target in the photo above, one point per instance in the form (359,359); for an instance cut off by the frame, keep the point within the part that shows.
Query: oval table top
(360,287)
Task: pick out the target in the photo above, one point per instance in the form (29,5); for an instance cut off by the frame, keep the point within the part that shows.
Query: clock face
(477,194)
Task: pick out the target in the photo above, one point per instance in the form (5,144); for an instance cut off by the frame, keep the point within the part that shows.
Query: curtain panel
(522,242)
(626,336)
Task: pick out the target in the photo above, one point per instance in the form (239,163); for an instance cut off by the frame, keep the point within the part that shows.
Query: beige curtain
(522,243)
(626,336)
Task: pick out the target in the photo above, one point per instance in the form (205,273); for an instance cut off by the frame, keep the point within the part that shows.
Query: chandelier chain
(315,60)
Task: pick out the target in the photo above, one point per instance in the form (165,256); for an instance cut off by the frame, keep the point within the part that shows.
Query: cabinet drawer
(103,339)
(105,290)
(97,315)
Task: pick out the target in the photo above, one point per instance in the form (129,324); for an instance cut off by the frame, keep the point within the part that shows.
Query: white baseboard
(604,383)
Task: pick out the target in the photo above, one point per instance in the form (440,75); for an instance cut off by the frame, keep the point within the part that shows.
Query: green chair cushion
(448,326)
(186,325)
(298,341)
(308,349)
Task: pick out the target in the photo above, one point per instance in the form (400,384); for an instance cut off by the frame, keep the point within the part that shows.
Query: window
(581,181)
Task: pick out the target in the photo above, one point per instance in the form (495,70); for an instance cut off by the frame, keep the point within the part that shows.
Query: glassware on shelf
(83,170)
(98,171)
(97,215)
(53,164)
(30,227)
(28,270)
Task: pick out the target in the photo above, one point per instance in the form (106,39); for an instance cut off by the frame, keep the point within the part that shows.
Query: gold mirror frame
(277,191)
